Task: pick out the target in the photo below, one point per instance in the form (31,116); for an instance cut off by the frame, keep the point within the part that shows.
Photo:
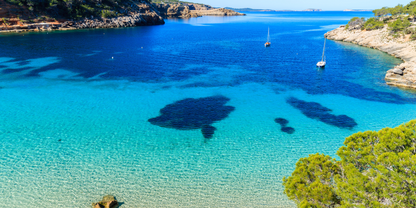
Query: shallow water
(74,109)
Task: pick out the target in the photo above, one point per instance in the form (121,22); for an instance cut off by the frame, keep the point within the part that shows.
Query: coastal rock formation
(142,13)
(187,10)
(135,19)
(403,75)
(137,13)
(108,201)
(356,24)
(175,10)
(217,12)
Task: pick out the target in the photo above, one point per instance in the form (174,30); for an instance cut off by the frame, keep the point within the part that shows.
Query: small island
(312,10)
(271,10)
(357,10)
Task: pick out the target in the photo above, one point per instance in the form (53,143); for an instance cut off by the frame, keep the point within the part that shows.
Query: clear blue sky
(303,4)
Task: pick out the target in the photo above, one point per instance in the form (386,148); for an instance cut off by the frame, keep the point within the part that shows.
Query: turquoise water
(74,109)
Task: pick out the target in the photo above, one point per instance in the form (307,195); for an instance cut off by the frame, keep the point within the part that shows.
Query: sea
(193,113)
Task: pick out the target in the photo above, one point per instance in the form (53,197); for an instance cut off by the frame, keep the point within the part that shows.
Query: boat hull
(321,64)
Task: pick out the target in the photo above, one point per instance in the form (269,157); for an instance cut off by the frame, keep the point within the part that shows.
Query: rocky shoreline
(136,19)
(188,10)
(141,13)
(403,75)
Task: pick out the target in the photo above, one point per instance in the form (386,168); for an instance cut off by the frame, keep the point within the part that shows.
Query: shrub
(353,19)
(410,31)
(376,169)
(372,24)
(355,23)
(311,184)
(399,25)
(107,14)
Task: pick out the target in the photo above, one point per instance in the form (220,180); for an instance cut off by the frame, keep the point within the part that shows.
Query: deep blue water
(75,108)
(159,53)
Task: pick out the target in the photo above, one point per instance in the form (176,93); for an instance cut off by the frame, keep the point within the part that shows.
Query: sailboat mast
(323,53)
(268,35)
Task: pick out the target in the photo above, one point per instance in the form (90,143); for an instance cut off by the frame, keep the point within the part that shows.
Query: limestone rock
(134,19)
(398,71)
(356,24)
(187,10)
(108,201)
(98,205)
(403,75)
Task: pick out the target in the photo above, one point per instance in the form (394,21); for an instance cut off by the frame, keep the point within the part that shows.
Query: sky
(303,4)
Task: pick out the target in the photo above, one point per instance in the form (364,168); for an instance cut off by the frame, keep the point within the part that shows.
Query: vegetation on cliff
(398,19)
(76,9)
(398,10)
(376,169)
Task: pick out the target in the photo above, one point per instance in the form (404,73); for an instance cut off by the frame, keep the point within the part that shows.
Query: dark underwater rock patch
(281,121)
(288,130)
(283,124)
(208,131)
(317,111)
(193,113)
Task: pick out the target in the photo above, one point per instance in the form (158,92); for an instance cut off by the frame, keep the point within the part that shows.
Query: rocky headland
(21,19)
(188,10)
(142,14)
(130,13)
(401,47)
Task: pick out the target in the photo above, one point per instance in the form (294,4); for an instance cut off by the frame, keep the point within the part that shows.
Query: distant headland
(357,10)
(270,10)
(187,10)
(306,10)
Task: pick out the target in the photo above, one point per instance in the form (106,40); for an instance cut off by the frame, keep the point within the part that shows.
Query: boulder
(398,71)
(108,201)
(97,205)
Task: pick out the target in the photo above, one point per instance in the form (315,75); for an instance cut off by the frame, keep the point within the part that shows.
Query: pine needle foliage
(376,169)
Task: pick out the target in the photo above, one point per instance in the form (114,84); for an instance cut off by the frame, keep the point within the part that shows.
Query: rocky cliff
(403,75)
(141,14)
(133,13)
(187,10)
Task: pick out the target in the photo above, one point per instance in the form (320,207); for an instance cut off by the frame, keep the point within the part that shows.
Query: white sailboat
(267,44)
(322,63)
